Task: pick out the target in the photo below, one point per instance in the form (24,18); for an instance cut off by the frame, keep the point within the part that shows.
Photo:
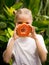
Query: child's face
(23,18)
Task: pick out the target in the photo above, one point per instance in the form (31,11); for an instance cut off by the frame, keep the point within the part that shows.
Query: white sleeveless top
(25,51)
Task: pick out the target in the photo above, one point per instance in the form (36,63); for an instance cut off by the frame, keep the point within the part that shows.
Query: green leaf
(7,33)
(10,31)
(25,3)
(47,41)
(9,11)
(2,17)
(2,32)
(17,5)
(6,11)
(47,31)
(3,25)
(34,6)
(9,3)
(3,38)
(11,24)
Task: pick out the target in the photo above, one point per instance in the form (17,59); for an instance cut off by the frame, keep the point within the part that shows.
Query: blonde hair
(22,11)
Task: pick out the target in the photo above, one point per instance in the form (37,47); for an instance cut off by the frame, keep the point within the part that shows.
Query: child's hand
(15,36)
(33,33)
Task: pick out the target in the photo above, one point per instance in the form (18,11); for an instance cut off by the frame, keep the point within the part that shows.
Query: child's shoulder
(10,38)
(39,36)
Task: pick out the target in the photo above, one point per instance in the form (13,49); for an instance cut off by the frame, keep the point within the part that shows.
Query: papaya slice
(23,30)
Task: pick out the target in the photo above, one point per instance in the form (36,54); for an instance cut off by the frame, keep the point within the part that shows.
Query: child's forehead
(23,17)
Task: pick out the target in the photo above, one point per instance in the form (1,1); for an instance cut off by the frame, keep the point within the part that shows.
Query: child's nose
(24,22)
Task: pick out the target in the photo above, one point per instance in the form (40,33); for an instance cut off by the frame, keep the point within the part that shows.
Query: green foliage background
(40,12)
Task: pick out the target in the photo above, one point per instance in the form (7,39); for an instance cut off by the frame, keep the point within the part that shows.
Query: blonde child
(29,50)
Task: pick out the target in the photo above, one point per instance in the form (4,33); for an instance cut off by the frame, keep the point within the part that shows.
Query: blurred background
(40,12)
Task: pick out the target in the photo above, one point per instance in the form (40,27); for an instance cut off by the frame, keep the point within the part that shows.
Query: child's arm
(7,54)
(42,51)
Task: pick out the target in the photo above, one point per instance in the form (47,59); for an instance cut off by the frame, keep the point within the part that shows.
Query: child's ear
(14,12)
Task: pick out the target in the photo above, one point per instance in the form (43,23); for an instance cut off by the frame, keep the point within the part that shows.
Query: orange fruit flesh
(23,30)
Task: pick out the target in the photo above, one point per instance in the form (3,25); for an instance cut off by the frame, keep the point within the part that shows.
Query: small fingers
(15,33)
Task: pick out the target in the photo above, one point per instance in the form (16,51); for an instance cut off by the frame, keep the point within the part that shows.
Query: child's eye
(19,22)
(27,22)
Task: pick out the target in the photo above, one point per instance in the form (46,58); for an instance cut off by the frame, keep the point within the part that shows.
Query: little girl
(29,50)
